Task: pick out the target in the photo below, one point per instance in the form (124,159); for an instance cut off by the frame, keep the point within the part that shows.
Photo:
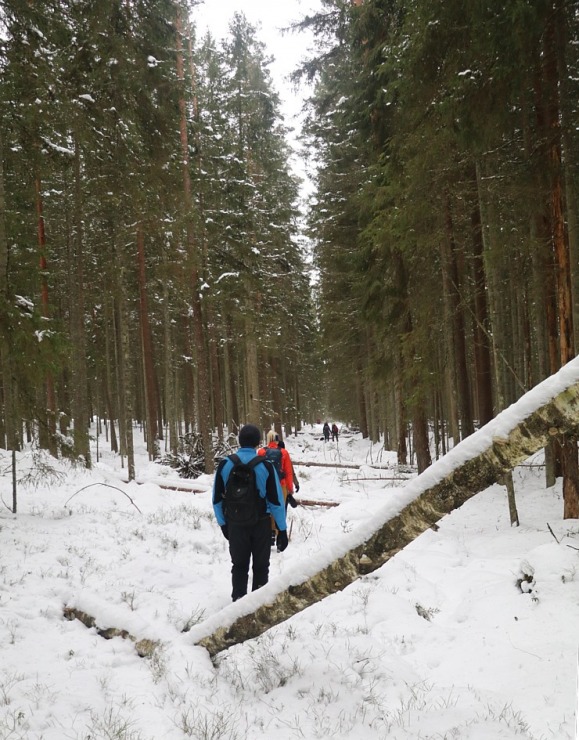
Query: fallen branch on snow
(106,485)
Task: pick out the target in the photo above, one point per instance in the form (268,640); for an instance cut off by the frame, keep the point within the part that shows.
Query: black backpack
(274,456)
(241,500)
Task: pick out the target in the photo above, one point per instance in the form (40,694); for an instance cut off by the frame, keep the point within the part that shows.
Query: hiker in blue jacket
(250,540)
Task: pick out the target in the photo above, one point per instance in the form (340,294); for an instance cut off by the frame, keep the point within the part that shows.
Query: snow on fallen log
(549,409)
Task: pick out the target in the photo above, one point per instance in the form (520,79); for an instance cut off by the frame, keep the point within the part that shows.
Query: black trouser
(247,543)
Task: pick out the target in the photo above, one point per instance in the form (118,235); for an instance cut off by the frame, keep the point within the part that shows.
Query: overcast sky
(269,17)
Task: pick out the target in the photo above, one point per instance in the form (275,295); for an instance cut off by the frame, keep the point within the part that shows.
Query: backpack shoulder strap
(256,460)
(234,458)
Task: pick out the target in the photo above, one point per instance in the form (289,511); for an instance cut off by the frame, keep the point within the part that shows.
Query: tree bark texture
(122,348)
(564,17)
(169,376)
(481,331)
(401,421)
(569,457)
(203,380)
(482,466)
(48,425)
(3,239)
(449,361)
(420,437)
(80,404)
(252,375)
(128,395)
(457,323)
(154,424)
(362,411)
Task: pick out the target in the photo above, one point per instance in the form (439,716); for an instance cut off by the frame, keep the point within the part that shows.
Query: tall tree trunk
(418,408)
(3,238)
(128,408)
(122,348)
(567,124)
(11,436)
(401,421)
(252,375)
(450,364)
(212,338)
(278,415)
(482,350)
(420,437)
(458,328)
(297,405)
(80,411)
(110,362)
(569,456)
(204,404)
(528,377)
(216,385)
(169,375)
(362,410)
(8,419)
(153,422)
(231,409)
(48,412)
(543,269)
(190,401)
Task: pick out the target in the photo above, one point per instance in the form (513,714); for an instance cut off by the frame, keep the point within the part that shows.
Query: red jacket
(286,466)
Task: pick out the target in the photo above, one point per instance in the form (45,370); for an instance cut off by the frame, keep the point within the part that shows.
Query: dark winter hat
(249,436)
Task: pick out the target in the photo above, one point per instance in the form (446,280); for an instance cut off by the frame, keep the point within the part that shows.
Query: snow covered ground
(470,632)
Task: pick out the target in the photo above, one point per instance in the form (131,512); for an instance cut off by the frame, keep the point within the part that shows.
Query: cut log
(550,409)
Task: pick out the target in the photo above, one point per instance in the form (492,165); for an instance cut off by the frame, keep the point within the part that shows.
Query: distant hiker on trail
(246,492)
(326,431)
(280,459)
(335,432)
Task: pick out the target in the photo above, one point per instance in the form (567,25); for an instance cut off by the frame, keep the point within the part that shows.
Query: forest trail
(472,466)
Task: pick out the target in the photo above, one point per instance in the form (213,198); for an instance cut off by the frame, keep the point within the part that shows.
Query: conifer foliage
(445,217)
(148,249)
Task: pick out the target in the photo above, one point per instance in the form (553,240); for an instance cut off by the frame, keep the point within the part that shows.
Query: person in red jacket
(279,457)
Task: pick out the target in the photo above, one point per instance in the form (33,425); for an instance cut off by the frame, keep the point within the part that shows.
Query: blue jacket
(267,484)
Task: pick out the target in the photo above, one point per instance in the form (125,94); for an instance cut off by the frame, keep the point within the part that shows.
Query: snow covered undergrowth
(470,632)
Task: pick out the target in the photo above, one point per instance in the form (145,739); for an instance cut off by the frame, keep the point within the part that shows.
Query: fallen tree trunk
(313,502)
(351,466)
(312,464)
(550,409)
(144,647)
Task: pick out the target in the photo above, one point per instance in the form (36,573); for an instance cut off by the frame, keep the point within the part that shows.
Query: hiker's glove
(291,501)
(282,541)
(225,530)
